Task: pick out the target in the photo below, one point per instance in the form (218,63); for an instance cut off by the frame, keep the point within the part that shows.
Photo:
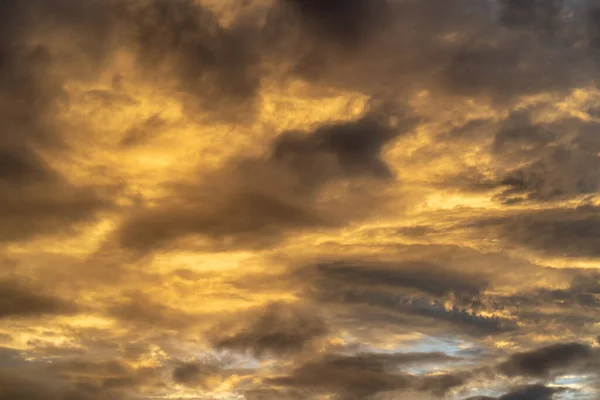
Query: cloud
(538,15)
(420,293)
(561,232)
(426,277)
(547,360)
(345,22)
(364,375)
(19,301)
(399,253)
(216,65)
(528,153)
(275,330)
(257,201)
(533,392)
(143,132)
(208,374)
(141,309)
(197,374)
(17,387)
(355,146)
(39,199)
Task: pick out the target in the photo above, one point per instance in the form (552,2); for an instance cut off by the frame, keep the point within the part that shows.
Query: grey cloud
(101,378)
(38,199)
(559,158)
(533,392)
(274,394)
(414,291)
(355,146)
(349,23)
(593,27)
(10,358)
(206,374)
(195,374)
(560,232)
(547,360)
(256,201)
(20,300)
(419,313)
(16,386)
(425,277)
(357,377)
(217,65)
(142,133)
(531,160)
(530,392)
(409,51)
(34,210)
(539,15)
(278,329)
(21,165)
(510,68)
(575,305)
(141,309)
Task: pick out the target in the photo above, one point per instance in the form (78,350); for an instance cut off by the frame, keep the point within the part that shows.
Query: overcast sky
(299,199)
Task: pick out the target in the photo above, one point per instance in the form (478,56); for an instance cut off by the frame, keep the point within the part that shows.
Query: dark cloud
(547,360)
(419,313)
(256,201)
(349,22)
(533,392)
(17,386)
(581,292)
(218,66)
(576,304)
(100,378)
(360,376)
(18,300)
(276,330)
(560,232)
(355,146)
(534,160)
(439,385)
(539,15)
(426,277)
(546,161)
(415,291)
(385,361)
(10,358)
(21,166)
(593,27)
(32,210)
(38,199)
(206,374)
(504,71)
(331,176)
(530,392)
(143,132)
(457,48)
(195,374)
(141,309)
(182,41)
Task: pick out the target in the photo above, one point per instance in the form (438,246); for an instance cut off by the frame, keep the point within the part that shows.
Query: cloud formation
(299,199)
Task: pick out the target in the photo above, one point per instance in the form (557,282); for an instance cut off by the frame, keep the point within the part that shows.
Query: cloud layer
(299,199)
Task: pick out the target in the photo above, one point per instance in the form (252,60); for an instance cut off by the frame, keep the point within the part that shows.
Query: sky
(299,199)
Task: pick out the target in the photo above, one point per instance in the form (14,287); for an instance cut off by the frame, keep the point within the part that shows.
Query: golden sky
(299,199)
